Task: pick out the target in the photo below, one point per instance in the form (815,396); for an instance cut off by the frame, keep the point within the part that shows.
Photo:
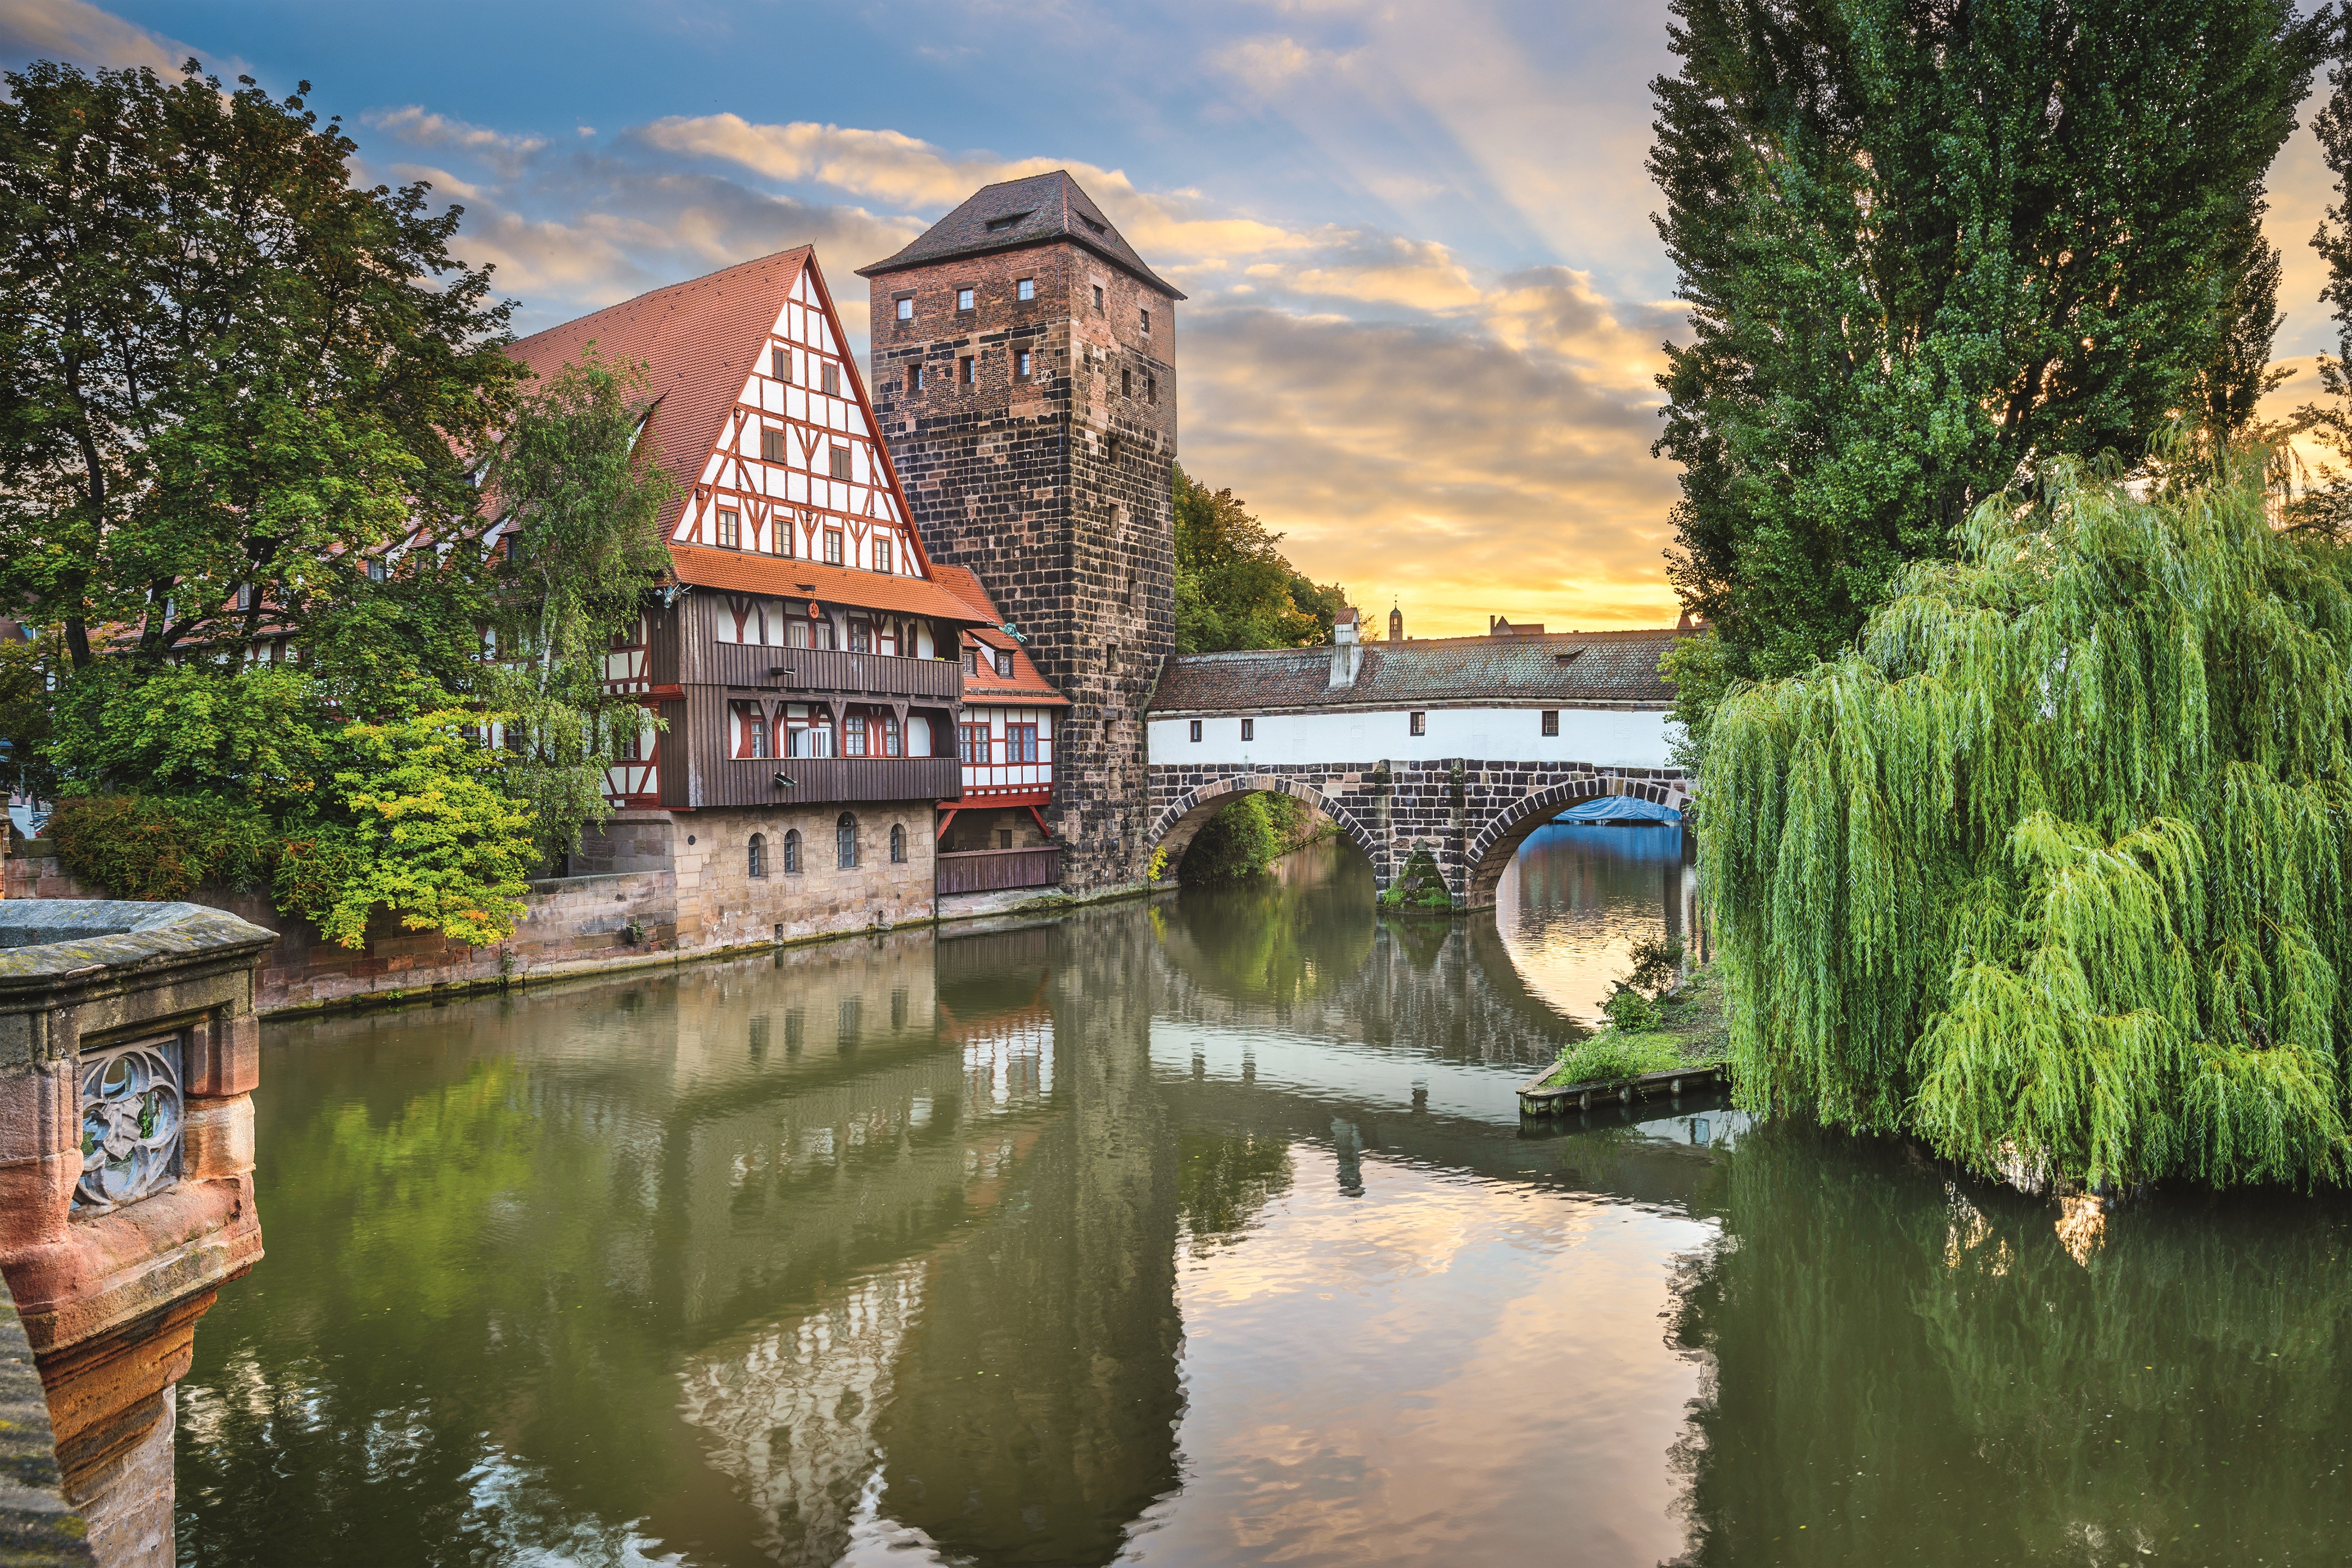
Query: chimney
(1396,626)
(1346,652)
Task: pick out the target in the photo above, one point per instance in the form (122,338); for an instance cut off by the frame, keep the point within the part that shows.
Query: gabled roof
(1025,686)
(1563,667)
(788,577)
(1017,212)
(697,340)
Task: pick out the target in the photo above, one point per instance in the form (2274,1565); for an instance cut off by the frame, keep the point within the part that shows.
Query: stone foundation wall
(643,893)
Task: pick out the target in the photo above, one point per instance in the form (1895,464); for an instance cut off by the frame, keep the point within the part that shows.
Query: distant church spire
(1396,624)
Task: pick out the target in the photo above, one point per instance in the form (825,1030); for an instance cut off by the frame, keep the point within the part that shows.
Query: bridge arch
(1184,817)
(1490,852)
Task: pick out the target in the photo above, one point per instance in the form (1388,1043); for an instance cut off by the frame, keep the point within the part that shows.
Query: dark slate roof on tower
(1563,667)
(1017,212)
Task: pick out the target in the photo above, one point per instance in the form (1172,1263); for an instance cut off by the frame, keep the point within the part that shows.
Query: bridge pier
(1471,815)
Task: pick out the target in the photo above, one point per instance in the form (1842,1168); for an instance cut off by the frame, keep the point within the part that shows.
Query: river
(1198,1232)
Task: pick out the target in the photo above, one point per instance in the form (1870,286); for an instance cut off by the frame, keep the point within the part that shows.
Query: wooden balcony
(989,870)
(829,672)
(746,781)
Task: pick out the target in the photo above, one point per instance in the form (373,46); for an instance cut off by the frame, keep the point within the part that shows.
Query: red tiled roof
(697,339)
(1026,683)
(744,573)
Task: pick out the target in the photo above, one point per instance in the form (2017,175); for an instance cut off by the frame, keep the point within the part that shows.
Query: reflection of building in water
(1037,1398)
(790,1411)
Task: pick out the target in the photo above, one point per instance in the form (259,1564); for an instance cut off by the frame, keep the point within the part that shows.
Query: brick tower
(1024,376)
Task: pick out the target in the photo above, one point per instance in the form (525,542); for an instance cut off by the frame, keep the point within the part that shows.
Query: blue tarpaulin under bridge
(1621,809)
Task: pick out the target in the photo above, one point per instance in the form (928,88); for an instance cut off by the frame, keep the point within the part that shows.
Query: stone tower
(1025,377)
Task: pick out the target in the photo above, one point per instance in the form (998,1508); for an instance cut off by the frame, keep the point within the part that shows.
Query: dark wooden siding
(661,628)
(675,766)
(987,870)
(738,781)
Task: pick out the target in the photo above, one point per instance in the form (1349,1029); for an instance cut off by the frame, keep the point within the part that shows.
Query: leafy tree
(1233,587)
(1929,247)
(230,372)
(2048,871)
(425,832)
(582,514)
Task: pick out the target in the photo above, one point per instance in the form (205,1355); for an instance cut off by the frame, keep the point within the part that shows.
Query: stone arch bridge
(1462,746)
(1471,815)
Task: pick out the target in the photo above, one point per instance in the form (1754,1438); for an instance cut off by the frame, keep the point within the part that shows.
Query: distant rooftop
(1559,666)
(1017,212)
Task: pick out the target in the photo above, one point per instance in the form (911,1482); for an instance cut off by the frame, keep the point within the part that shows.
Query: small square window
(780,363)
(1196,728)
(913,378)
(772,445)
(1145,316)
(832,549)
(1249,729)
(833,381)
(840,462)
(905,307)
(1418,724)
(963,298)
(1098,299)
(1551,720)
(1020,365)
(965,371)
(730,530)
(1027,289)
(1004,663)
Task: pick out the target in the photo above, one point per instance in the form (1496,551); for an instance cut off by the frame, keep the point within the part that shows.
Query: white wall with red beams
(784,508)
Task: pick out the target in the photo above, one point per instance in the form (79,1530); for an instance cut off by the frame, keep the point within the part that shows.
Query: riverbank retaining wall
(646,896)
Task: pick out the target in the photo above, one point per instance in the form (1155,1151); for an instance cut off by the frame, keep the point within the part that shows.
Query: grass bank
(1690,1033)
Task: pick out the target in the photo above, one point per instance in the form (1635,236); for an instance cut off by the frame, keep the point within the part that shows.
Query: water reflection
(1577,898)
(1199,1232)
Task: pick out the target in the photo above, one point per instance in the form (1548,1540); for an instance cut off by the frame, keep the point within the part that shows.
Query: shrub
(161,848)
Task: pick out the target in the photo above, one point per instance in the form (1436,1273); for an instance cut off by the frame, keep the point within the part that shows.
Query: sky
(1425,297)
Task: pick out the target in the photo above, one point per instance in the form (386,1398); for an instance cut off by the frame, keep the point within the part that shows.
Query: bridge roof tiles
(1564,666)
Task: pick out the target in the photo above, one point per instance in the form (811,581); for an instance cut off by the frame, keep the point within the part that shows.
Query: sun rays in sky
(1427,299)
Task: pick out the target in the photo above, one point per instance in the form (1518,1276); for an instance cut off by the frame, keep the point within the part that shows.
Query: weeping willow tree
(2050,869)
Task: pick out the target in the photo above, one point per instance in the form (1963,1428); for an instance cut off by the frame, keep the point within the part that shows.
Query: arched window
(792,853)
(897,843)
(759,855)
(845,842)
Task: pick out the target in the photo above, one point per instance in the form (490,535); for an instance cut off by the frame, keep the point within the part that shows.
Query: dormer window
(1004,663)
(1091,223)
(999,225)
(972,661)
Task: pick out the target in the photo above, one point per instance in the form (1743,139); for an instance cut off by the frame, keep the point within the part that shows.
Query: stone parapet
(128,1056)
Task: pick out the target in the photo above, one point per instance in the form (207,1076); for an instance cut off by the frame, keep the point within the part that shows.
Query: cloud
(420,127)
(1451,470)
(82,34)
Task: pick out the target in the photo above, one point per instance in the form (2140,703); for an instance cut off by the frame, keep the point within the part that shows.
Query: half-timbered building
(802,658)
(996,836)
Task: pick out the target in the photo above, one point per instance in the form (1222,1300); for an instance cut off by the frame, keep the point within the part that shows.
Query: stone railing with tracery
(130,1123)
